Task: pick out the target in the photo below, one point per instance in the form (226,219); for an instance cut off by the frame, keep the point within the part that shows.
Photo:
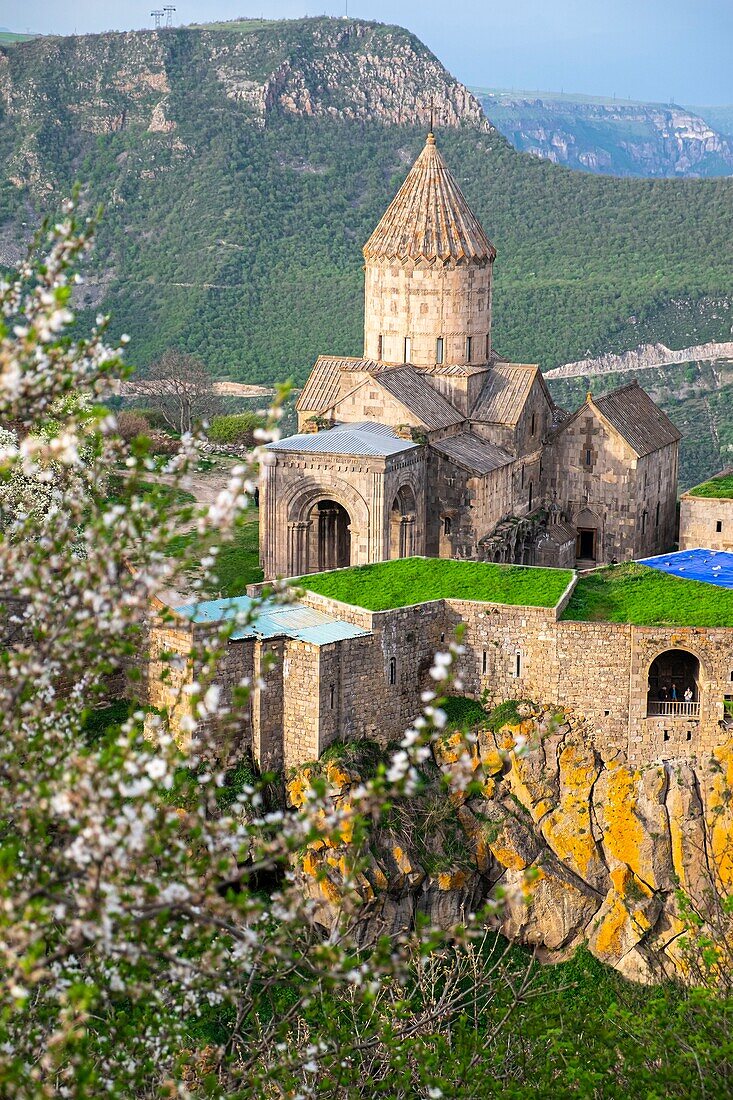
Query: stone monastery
(433,444)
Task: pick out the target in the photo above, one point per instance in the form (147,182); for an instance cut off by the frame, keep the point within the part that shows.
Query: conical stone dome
(429,219)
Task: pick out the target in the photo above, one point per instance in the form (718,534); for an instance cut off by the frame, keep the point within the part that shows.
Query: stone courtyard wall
(304,696)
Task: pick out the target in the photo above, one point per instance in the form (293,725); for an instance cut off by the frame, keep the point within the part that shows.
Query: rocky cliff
(109,83)
(622,139)
(574,846)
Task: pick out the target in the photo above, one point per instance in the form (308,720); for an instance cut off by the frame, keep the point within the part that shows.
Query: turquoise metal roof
(215,611)
(273,620)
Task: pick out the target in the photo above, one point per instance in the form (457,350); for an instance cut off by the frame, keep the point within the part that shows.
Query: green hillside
(242,168)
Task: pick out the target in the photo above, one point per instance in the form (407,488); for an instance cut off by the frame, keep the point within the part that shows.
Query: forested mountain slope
(242,169)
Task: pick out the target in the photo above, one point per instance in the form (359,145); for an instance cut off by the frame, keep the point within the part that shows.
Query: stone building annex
(432,443)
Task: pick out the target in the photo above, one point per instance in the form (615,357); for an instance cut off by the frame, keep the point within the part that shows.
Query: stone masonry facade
(706,522)
(305,695)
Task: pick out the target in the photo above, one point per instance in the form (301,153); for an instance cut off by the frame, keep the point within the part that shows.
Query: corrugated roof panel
(335,631)
(429,218)
(215,611)
(412,389)
(361,440)
(505,392)
(473,454)
(273,620)
(634,415)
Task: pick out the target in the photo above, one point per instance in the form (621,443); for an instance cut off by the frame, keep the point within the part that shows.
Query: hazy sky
(642,49)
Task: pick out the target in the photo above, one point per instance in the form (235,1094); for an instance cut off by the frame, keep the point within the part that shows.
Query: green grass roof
(415,580)
(647,597)
(716,487)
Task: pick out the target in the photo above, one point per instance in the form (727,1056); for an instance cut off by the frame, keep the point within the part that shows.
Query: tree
(179,385)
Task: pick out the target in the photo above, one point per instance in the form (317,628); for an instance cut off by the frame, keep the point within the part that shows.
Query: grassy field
(637,594)
(717,487)
(415,580)
(10,38)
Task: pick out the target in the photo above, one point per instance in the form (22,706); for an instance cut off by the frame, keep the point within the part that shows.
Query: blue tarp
(711,566)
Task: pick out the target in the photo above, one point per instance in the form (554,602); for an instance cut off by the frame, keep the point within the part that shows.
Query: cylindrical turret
(428,274)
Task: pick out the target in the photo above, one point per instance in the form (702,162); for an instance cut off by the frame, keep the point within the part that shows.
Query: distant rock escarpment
(621,139)
(645,357)
(574,846)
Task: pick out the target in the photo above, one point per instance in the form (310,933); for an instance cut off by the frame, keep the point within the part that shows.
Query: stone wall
(423,302)
(473,505)
(305,696)
(706,522)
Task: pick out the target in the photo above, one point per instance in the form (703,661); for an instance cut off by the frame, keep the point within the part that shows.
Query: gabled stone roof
(473,454)
(631,411)
(429,219)
(323,385)
(505,392)
(412,389)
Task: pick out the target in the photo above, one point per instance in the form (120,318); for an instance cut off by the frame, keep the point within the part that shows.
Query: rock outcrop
(567,847)
(645,357)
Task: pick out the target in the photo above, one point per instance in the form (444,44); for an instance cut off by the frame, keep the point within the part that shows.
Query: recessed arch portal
(324,525)
(674,685)
(331,532)
(402,524)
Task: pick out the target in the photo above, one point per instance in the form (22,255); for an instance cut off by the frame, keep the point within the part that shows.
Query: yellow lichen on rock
(449,749)
(451,880)
(628,913)
(338,776)
(568,828)
(298,787)
(493,762)
(624,838)
(719,814)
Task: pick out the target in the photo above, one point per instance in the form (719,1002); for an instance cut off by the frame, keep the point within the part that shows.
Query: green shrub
(464,713)
(236,428)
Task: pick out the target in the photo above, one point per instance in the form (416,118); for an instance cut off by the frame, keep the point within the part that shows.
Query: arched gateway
(331,532)
(674,685)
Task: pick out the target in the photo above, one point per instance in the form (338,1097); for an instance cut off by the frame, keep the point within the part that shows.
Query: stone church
(431,443)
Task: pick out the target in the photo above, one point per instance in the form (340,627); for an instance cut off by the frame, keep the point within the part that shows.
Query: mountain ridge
(233,225)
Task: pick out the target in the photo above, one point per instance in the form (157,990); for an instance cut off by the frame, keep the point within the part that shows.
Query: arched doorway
(588,526)
(331,531)
(674,685)
(402,524)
